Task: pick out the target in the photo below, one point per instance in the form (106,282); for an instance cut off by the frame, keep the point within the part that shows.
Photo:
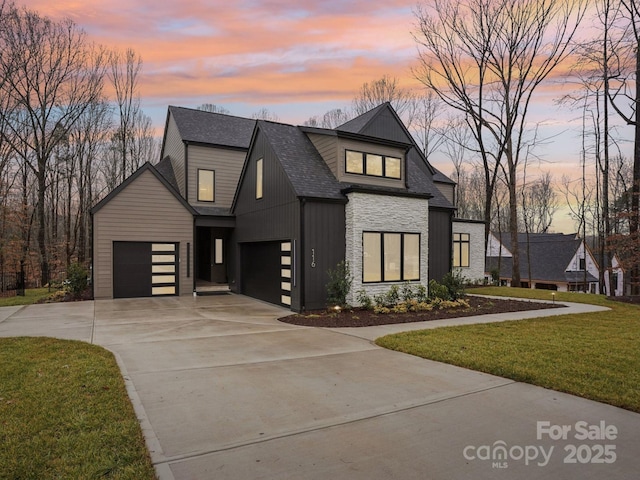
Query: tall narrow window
(259,178)
(460,249)
(219,255)
(206,185)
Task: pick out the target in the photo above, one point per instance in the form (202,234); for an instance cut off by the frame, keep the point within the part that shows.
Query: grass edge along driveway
(595,355)
(65,413)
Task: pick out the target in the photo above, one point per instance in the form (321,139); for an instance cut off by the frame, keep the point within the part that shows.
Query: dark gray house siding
(323,248)
(440,243)
(273,218)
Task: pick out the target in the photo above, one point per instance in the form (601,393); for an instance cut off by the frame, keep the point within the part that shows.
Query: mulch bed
(358,317)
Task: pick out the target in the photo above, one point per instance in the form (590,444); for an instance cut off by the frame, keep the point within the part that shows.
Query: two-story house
(266,209)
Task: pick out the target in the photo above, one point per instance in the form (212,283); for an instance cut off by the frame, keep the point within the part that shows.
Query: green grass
(595,355)
(65,413)
(31,296)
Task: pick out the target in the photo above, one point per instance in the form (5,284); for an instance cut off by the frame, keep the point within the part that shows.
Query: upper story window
(206,185)
(259,178)
(375,165)
(461,249)
(582,264)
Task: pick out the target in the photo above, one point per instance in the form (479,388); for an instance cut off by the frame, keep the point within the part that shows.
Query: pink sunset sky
(296,58)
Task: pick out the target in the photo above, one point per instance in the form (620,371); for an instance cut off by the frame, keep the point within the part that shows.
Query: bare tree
(124,70)
(425,127)
(387,89)
(486,58)
(624,96)
(331,119)
(213,108)
(265,114)
(52,74)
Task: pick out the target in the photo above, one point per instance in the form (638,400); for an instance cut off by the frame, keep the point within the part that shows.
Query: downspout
(301,248)
(193,255)
(93,261)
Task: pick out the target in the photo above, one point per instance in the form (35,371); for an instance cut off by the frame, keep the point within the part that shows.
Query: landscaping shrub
(364,300)
(77,278)
(437,291)
(339,284)
(454,283)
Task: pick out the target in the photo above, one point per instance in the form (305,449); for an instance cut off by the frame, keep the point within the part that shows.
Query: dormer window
(362,163)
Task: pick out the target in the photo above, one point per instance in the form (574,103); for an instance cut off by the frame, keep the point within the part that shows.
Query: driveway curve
(223,390)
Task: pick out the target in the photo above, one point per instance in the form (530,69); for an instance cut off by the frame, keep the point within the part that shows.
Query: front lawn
(595,355)
(32,295)
(65,413)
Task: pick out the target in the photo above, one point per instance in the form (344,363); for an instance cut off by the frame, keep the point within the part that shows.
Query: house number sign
(313,258)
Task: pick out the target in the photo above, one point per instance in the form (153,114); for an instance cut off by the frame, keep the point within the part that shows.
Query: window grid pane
(355,162)
(392,257)
(371,257)
(392,167)
(411,257)
(374,165)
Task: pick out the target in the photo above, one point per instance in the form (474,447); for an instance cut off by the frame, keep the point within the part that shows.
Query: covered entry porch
(213,254)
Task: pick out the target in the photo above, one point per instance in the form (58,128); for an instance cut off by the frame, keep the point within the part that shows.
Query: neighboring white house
(550,261)
(614,278)
(468,249)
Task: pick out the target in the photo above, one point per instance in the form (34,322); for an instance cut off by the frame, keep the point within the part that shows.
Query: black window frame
(402,256)
(260,161)
(364,164)
(459,244)
(213,186)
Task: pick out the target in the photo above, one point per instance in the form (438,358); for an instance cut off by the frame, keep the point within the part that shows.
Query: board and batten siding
(144,211)
(174,149)
(227,165)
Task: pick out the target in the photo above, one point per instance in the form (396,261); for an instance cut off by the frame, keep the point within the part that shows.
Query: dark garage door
(144,269)
(261,265)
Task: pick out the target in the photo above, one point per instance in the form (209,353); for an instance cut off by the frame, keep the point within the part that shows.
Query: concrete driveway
(223,390)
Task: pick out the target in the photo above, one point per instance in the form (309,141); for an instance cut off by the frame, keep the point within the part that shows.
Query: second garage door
(266,271)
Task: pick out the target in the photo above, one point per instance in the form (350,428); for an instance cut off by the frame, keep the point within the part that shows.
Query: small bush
(407,292)
(421,295)
(339,284)
(437,291)
(381,309)
(77,278)
(454,282)
(364,300)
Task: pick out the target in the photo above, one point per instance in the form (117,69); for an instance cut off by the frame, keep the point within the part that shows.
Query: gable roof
(358,124)
(308,173)
(550,255)
(146,167)
(430,174)
(198,126)
(165,168)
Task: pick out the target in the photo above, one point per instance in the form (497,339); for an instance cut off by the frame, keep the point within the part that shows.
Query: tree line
(71,129)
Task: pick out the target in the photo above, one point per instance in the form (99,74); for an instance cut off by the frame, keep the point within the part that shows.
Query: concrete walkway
(223,390)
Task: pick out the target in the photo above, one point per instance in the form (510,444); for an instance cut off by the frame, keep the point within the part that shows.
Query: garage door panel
(144,269)
(261,271)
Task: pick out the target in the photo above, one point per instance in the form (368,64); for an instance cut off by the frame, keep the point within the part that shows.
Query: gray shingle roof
(550,254)
(216,211)
(309,175)
(357,124)
(213,128)
(165,169)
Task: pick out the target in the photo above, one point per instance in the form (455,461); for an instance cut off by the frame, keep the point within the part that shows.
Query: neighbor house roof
(210,128)
(549,254)
(165,169)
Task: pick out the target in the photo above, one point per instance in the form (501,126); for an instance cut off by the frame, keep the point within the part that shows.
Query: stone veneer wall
(383,213)
(475,271)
